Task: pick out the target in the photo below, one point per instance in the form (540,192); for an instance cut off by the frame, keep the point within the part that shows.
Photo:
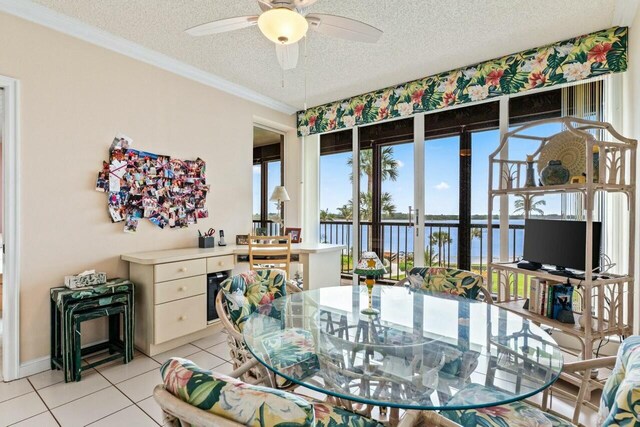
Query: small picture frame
(262,231)
(242,239)
(295,233)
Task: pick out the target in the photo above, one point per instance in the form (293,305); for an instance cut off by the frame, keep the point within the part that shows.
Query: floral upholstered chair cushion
(251,405)
(292,352)
(232,399)
(621,394)
(244,293)
(332,416)
(447,280)
(515,414)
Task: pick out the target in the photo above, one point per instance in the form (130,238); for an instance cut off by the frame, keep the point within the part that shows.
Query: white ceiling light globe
(282,25)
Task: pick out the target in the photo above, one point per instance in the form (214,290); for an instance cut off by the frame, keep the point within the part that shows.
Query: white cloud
(256,169)
(442,186)
(400,163)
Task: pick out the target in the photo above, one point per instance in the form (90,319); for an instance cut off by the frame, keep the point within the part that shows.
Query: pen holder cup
(206,242)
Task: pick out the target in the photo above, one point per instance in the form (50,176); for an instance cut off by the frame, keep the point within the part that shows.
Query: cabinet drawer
(220,263)
(179,270)
(178,318)
(178,289)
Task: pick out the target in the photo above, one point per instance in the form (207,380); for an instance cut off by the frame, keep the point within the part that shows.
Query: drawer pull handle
(183,269)
(183,288)
(220,263)
(182,318)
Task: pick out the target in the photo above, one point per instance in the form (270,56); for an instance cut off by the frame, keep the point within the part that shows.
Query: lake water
(402,240)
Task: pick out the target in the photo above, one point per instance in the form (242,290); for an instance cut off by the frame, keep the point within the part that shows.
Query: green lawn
(348,264)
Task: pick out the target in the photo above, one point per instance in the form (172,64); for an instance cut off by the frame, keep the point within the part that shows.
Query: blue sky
(441,175)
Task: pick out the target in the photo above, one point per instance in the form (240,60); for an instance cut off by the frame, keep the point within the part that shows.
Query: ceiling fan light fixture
(282,25)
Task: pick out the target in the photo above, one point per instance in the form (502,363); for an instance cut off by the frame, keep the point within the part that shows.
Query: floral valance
(580,58)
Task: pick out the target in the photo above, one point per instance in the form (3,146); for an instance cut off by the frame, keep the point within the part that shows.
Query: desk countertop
(173,255)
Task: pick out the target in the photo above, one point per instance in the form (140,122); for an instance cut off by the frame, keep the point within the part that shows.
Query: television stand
(568,273)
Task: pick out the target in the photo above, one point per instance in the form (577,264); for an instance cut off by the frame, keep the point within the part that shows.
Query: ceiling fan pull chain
(305,72)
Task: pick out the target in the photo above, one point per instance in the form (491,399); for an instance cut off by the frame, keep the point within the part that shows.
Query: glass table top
(423,350)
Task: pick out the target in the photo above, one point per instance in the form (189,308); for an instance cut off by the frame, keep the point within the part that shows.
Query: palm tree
(388,208)
(430,255)
(325,215)
(389,166)
(366,208)
(389,170)
(440,238)
(476,233)
(346,211)
(535,207)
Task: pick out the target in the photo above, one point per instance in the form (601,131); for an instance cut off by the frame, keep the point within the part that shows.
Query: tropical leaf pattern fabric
(232,399)
(515,414)
(333,416)
(292,352)
(621,394)
(248,404)
(579,58)
(249,292)
(446,280)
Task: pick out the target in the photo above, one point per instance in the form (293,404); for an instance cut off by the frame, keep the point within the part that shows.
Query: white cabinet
(171,300)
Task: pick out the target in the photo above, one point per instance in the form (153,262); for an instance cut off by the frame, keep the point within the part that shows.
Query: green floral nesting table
(71,307)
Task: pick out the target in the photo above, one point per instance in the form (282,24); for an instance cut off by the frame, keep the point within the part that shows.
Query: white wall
(632,124)
(75,97)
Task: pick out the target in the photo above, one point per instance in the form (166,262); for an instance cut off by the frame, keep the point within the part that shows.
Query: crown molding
(41,15)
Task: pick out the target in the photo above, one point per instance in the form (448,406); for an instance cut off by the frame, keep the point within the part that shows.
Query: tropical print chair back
(232,399)
(244,293)
(621,393)
(518,413)
(447,280)
(251,405)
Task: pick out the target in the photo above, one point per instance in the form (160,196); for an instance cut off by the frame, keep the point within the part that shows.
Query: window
(267,174)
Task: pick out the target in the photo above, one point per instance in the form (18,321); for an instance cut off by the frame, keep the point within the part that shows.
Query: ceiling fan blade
(265,5)
(223,25)
(344,28)
(287,55)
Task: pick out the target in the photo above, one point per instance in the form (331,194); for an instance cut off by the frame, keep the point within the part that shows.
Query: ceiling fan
(285,22)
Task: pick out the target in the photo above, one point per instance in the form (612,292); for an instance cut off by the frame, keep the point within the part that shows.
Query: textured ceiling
(421,37)
(265,137)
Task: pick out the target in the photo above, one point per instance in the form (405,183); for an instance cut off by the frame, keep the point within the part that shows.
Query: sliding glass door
(422,187)
(386,194)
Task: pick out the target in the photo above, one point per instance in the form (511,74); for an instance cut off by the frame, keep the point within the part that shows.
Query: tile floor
(111,395)
(121,395)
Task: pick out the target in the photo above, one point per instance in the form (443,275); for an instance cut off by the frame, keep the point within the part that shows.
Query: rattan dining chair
(464,283)
(270,252)
(238,350)
(225,402)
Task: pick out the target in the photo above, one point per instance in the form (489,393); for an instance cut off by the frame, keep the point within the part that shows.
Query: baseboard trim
(35,366)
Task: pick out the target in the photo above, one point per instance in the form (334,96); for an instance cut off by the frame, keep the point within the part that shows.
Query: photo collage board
(168,192)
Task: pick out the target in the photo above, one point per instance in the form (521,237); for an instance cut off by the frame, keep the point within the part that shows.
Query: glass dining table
(422,351)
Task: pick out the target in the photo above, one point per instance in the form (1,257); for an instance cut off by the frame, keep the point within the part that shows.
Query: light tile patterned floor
(121,395)
(111,395)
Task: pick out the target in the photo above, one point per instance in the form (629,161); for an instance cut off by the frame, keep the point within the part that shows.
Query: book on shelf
(548,298)
(550,295)
(533,295)
(562,299)
(542,299)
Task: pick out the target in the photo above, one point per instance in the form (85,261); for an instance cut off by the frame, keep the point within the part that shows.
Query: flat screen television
(560,243)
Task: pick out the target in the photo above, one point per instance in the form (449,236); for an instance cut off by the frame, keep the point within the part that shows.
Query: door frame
(11,229)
